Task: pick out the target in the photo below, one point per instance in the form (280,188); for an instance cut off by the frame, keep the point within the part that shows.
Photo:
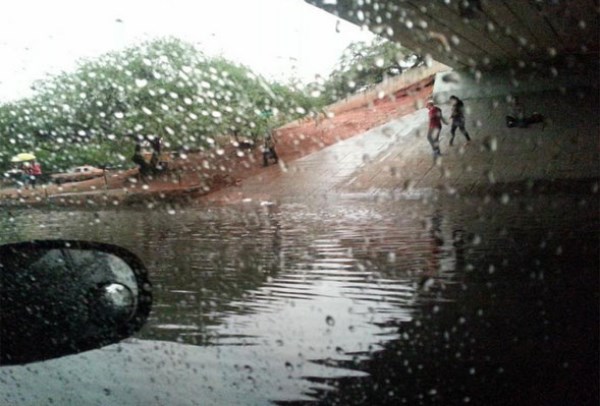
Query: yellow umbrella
(22,157)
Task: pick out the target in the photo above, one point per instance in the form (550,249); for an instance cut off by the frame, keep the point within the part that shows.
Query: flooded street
(440,301)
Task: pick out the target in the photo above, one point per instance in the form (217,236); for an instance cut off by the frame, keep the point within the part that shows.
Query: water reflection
(270,303)
(296,285)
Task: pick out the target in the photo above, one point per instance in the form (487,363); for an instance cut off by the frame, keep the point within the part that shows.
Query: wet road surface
(437,302)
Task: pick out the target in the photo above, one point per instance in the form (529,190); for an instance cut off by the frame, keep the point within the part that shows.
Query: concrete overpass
(481,33)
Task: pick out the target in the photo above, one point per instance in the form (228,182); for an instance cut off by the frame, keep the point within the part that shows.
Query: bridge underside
(481,33)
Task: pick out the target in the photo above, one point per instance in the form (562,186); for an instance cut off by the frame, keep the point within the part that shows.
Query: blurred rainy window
(338,201)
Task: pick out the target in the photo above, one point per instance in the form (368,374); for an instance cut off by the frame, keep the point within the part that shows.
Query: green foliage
(164,88)
(362,65)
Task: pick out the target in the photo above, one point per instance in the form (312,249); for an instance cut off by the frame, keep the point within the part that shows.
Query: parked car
(78,174)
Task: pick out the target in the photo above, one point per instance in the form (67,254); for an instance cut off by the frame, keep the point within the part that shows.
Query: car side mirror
(61,297)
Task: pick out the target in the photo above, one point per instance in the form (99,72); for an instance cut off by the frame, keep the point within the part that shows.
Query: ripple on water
(277,287)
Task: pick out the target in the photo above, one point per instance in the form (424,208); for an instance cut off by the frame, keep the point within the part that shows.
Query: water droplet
(491,144)
(141,82)
(330,321)
(428,284)
(451,77)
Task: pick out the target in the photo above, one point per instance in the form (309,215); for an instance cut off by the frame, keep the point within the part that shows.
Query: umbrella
(22,157)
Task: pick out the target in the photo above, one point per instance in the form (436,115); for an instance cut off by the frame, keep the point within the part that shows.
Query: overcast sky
(277,38)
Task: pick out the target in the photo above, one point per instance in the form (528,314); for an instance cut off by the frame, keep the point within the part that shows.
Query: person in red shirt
(435,127)
(35,171)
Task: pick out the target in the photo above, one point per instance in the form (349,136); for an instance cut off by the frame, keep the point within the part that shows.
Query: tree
(364,64)
(163,88)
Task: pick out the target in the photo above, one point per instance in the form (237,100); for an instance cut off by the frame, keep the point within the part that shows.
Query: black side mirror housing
(60,297)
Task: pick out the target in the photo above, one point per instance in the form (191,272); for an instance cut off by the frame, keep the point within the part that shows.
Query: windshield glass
(338,202)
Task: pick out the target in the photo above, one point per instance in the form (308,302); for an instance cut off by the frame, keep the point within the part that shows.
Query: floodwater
(428,301)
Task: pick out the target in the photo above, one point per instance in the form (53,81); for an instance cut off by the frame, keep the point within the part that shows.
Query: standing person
(156,144)
(435,127)
(35,172)
(25,174)
(138,159)
(458,118)
(269,148)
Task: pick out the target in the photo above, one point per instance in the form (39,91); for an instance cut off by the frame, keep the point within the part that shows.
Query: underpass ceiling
(479,33)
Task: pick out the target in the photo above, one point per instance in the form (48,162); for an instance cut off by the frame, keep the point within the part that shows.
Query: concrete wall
(467,85)
(385,88)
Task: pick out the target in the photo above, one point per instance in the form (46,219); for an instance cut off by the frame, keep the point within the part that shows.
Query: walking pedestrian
(435,127)
(458,118)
